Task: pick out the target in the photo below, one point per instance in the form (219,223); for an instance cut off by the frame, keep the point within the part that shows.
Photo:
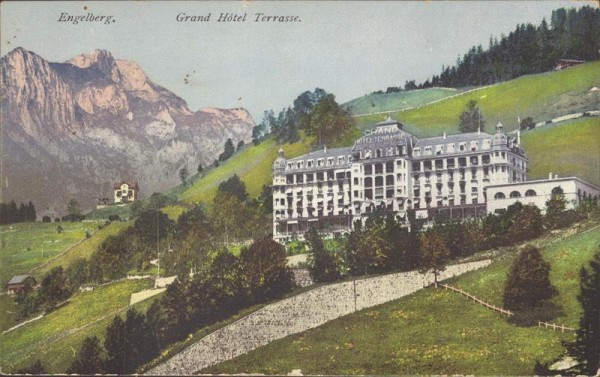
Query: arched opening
(557,191)
(499,195)
(530,193)
(515,194)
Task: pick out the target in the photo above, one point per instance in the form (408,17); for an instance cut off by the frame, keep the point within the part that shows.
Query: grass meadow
(56,338)
(434,331)
(542,96)
(568,149)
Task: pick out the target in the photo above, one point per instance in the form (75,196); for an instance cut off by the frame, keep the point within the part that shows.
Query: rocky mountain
(72,129)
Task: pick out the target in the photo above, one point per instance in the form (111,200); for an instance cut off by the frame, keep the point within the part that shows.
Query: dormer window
(309,163)
(320,162)
(417,151)
(427,151)
(462,146)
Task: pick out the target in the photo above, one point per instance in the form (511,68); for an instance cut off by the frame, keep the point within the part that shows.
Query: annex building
(392,170)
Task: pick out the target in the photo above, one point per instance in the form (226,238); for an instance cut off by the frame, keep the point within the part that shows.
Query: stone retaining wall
(300,313)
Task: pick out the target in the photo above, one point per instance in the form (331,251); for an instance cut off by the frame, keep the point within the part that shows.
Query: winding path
(297,314)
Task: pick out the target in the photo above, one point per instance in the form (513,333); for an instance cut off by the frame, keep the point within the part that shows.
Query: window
(320,162)
(417,151)
(378,181)
(515,194)
(557,191)
(368,182)
(309,163)
(369,194)
(389,167)
(389,180)
(368,169)
(378,153)
(530,193)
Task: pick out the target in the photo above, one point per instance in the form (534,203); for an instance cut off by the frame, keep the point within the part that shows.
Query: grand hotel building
(390,169)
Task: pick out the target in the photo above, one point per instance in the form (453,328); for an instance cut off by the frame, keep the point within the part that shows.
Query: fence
(483,303)
(546,325)
(555,327)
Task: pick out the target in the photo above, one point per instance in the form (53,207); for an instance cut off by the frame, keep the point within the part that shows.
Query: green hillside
(541,96)
(83,250)
(28,245)
(567,149)
(434,331)
(379,102)
(56,338)
(253,165)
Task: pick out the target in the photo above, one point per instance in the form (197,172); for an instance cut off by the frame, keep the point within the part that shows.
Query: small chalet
(19,284)
(125,192)
(566,63)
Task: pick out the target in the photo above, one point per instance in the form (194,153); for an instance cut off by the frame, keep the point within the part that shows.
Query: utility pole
(157,250)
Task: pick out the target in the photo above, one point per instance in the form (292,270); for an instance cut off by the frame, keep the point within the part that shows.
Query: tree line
(259,274)
(383,244)
(10,213)
(571,34)
(316,113)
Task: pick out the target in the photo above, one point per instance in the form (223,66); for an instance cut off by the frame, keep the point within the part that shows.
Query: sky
(347,48)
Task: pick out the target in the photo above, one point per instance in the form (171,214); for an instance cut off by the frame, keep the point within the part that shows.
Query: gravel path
(299,313)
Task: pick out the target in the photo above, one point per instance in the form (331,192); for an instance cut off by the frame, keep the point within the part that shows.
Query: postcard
(299,187)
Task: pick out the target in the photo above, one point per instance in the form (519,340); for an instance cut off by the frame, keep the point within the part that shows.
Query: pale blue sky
(347,48)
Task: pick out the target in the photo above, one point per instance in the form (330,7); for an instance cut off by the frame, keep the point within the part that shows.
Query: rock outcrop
(70,129)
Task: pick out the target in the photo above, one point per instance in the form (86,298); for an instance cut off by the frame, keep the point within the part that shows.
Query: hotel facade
(390,169)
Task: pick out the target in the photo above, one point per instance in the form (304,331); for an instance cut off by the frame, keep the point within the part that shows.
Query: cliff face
(69,130)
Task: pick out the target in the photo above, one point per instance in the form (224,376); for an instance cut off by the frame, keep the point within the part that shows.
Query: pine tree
(471,119)
(324,266)
(434,254)
(555,207)
(528,282)
(88,358)
(114,343)
(586,347)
